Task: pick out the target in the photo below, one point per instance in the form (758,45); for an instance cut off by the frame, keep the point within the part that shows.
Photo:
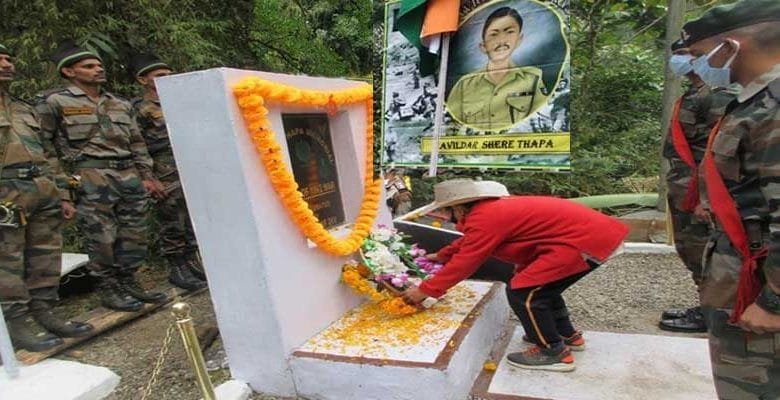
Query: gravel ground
(624,295)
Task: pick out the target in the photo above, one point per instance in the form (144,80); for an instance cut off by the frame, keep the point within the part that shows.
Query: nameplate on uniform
(68,111)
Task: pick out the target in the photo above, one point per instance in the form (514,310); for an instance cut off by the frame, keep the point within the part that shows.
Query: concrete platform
(615,367)
(58,380)
(435,354)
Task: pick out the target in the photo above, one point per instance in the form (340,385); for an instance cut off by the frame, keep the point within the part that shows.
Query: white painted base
(615,367)
(58,380)
(441,367)
(71,261)
(232,390)
(648,248)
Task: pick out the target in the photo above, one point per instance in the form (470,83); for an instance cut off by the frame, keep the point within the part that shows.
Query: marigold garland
(352,277)
(251,95)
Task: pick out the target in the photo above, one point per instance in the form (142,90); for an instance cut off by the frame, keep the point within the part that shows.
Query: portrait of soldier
(501,94)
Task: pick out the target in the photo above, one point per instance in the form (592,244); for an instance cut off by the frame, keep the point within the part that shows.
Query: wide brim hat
(5,50)
(460,191)
(142,64)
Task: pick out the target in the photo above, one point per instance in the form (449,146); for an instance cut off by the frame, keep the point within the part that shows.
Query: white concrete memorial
(272,289)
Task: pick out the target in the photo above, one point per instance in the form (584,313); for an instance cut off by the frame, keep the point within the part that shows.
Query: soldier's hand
(757,320)
(701,214)
(68,211)
(433,257)
(154,188)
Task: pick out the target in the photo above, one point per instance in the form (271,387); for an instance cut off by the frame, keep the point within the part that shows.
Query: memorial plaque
(314,165)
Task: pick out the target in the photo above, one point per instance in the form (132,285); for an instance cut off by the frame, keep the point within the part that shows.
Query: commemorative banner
(506,90)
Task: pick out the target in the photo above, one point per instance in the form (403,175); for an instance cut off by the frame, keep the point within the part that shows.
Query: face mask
(714,77)
(680,64)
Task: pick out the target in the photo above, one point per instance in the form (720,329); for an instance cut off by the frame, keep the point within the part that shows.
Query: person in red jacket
(553,244)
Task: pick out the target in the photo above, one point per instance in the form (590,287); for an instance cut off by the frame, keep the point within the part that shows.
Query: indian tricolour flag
(423,21)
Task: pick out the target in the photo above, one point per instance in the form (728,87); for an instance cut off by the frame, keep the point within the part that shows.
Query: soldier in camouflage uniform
(177,237)
(741,169)
(696,113)
(96,136)
(32,207)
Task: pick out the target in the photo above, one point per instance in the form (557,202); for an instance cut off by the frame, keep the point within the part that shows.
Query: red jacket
(546,238)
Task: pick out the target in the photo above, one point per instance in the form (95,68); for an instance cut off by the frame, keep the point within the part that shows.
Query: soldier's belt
(756,231)
(30,172)
(111,164)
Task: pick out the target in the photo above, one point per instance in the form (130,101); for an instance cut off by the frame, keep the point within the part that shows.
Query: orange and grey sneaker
(575,342)
(540,358)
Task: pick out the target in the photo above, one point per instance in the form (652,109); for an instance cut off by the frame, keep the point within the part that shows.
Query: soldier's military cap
(142,64)
(728,17)
(69,53)
(680,44)
(4,50)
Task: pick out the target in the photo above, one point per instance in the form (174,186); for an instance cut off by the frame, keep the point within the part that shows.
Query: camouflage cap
(4,50)
(69,53)
(728,17)
(142,64)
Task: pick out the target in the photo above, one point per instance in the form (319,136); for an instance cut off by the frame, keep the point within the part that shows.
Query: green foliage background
(314,37)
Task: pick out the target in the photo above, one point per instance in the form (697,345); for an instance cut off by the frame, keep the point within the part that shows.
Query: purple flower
(416,251)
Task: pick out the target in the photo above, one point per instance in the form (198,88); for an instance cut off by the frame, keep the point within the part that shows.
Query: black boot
(196,266)
(130,285)
(43,314)
(691,322)
(674,313)
(27,334)
(112,296)
(181,276)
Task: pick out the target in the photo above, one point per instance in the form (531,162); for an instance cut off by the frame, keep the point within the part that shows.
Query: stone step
(435,354)
(614,366)
(58,379)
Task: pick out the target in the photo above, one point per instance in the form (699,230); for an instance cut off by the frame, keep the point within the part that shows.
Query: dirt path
(624,295)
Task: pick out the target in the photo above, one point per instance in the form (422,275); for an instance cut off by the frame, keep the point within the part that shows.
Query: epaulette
(117,97)
(21,100)
(40,97)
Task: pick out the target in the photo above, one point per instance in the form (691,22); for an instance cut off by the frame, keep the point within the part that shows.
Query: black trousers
(542,310)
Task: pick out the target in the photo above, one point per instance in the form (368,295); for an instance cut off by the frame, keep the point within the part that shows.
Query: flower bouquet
(388,267)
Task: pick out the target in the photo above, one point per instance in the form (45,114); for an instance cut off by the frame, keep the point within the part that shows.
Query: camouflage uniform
(101,143)
(177,236)
(30,255)
(747,154)
(700,109)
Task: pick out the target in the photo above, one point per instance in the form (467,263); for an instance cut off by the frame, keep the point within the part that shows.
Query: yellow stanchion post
(669,226)
(186,327)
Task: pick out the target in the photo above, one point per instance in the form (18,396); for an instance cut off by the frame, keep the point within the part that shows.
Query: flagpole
(439,115)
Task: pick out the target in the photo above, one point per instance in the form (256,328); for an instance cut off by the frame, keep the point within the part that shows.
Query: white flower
(397,245)
(385,261)
(382,234)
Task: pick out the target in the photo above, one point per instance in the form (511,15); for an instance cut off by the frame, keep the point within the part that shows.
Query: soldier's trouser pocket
(744,365)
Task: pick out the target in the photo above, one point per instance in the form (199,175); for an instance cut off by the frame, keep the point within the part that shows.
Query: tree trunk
(674,23)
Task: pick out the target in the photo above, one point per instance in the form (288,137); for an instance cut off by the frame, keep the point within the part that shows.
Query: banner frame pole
(439,114)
